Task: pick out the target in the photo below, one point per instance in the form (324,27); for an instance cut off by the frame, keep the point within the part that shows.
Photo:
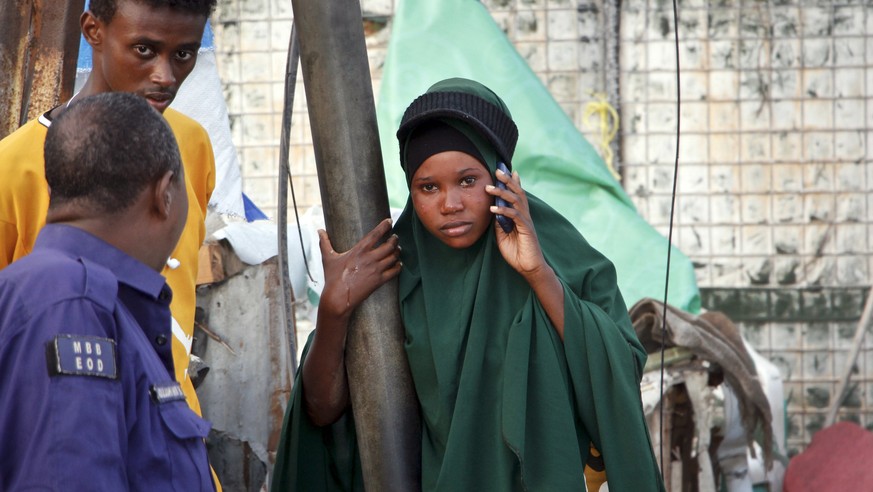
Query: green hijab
(506,405)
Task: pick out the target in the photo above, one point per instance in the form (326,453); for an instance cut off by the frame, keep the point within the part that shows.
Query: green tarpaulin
(434,40)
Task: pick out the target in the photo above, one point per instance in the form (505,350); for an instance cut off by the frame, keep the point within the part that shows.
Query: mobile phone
(505,222)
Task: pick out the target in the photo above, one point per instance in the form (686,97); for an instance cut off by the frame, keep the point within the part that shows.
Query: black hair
(105,9)
(104,150)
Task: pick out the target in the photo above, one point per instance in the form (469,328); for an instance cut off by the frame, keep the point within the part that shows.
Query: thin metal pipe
(612,71)
(857,341)
(348,156)
(284,180)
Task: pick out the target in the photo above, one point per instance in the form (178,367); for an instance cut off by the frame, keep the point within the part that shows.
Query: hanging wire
(670,230)
(284,181)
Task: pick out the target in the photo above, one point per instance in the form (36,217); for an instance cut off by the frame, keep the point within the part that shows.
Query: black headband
(489,120)
(433,137)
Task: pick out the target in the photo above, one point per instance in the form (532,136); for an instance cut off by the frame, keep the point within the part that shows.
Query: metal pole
(857,341)
(342,114)
(612,72)
(39,47)
(284,180)
(14,42)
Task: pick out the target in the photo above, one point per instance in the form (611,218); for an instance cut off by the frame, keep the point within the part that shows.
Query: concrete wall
(245,393)
(774,181)
(774,186)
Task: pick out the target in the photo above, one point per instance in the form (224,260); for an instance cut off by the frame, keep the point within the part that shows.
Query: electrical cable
(670,230)
(284,181)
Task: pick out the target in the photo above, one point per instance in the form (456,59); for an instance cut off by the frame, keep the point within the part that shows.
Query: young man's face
(144,50)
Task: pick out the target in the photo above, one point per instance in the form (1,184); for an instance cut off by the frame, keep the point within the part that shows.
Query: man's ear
(164,195)
(92,29)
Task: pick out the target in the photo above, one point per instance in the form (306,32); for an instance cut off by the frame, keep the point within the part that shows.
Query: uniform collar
(78,243)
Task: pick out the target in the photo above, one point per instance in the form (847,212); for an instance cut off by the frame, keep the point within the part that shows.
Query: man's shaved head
(106,149)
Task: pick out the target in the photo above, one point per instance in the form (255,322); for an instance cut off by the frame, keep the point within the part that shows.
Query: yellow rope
(608,126)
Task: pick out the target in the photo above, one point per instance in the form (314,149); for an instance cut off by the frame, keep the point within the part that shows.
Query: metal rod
(612,71)
(857,341)
(348,156)
(284,180)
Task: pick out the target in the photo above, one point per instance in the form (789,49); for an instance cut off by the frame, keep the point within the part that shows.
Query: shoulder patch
(77,355)
(167,392)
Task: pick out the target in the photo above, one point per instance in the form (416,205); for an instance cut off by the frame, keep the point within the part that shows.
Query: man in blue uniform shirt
(87,395)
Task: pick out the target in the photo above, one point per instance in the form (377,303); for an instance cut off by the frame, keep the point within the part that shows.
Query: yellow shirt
(24,202)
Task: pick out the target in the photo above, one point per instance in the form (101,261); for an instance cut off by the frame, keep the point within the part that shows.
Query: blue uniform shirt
(87,396)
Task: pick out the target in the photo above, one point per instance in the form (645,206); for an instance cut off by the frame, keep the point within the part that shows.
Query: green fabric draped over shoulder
(313,458)
(506,405)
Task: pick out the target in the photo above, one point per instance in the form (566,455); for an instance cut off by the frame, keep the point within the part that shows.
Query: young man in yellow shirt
(147,48)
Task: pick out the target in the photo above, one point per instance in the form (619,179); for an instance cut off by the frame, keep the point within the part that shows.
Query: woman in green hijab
(521,350)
